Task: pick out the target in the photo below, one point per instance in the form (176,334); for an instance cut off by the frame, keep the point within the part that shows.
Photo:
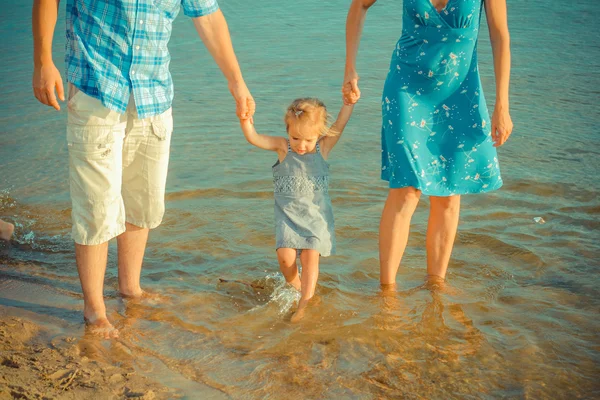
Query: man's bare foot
(100,327)
(6,230)
(144,297)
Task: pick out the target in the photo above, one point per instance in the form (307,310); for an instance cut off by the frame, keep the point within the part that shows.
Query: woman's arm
(354,26)
(273,143)
(328,142)
(499,37)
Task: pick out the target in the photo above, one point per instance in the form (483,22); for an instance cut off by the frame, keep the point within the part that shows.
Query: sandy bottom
(36,364)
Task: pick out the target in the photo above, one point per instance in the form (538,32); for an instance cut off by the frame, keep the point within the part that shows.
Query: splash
(283,296)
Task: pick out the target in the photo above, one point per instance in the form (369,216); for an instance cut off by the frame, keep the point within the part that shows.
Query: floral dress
(436,126)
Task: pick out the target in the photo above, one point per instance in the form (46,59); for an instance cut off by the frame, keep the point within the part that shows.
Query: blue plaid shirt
(115,47)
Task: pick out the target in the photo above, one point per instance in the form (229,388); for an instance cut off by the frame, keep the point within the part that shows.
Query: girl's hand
(502,125)
(350,90)
(247,123)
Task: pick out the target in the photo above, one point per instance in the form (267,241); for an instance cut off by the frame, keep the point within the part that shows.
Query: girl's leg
(394,229)
(441,231)
(310,274)
(288,266)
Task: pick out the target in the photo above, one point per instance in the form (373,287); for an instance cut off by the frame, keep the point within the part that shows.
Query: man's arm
(46,77)
(214,32)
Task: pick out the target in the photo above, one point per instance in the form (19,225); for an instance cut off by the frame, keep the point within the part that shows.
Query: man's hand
(47,79)
(244,102)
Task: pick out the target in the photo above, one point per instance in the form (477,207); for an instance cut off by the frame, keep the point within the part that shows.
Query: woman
(437,137)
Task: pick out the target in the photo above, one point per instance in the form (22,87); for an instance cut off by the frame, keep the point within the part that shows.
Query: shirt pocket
(169,8)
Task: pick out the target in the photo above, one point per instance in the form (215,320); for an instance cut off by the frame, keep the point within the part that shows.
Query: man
(120,123)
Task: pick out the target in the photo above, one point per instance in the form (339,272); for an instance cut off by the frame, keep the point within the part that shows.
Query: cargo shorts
(117,168)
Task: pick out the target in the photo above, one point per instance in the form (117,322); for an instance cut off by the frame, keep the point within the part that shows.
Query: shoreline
(39,362)
(45,352)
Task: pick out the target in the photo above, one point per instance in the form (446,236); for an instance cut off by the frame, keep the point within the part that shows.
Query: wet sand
(37,364)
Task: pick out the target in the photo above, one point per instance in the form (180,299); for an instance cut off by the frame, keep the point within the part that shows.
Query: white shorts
(117,168)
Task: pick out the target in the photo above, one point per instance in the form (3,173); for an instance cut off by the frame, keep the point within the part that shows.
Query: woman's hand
(502,125)
(350,90)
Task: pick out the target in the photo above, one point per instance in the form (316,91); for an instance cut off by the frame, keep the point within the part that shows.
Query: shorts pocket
(92,142)
(162,129)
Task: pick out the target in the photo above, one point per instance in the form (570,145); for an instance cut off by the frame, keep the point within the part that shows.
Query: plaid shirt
(116,46)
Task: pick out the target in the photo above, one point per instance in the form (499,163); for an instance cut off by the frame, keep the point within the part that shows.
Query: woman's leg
(288,266)
(394,229)
(441,231)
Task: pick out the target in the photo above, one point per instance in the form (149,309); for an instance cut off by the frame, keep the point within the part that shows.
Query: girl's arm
(502,125)
(273,143)
(328,142)
(354,26)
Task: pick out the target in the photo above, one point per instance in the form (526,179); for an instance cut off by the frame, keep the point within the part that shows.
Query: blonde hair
(306,115)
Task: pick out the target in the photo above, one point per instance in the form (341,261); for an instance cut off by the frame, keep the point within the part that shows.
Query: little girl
(303,213)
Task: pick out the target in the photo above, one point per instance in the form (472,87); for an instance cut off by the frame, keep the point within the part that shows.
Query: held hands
(350,90)
(46,79)
(244,102)
(502,125)
(247,124)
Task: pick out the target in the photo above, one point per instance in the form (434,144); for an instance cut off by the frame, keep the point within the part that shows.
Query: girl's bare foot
(296,283)
(300,311)
(6,230)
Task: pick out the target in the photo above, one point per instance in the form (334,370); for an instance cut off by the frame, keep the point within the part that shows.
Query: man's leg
(131,246)
(95,142)
(145,163)
(91,266)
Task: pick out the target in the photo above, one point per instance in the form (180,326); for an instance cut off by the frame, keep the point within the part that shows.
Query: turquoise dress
(436,126)
(303,211)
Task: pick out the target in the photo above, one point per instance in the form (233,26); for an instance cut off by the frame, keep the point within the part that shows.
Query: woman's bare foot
(438,284)
(6,230)
(100,327)
(435,280)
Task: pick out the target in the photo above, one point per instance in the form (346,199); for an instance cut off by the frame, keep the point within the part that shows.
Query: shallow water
(519,319)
